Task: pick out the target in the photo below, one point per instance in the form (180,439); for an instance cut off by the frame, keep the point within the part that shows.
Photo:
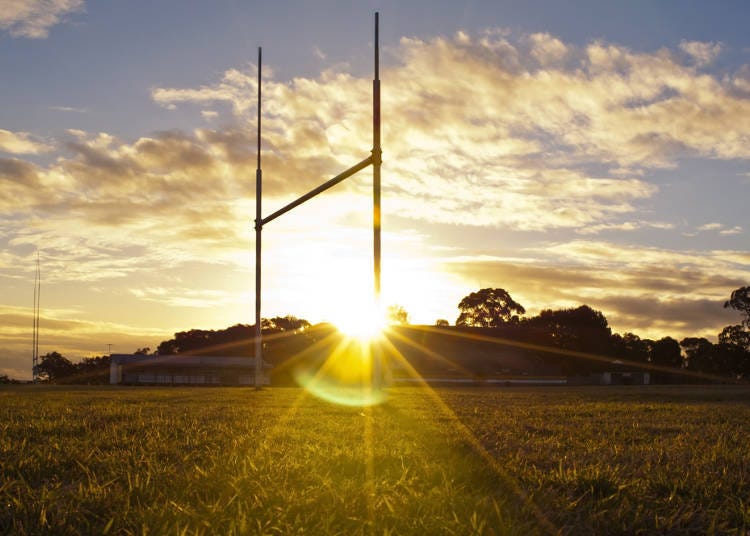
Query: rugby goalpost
(374,160)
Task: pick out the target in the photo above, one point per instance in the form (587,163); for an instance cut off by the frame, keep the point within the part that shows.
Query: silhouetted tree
(631,347)
(734,350)
(666,353)
(735,336)
(205,341)
(396,314)
(284,323)
(700,354)
(234,340)
(489,308)
(54,367)
(740,301)
(92,370)
(187,341)
(143,351)
(582,329)
(441,323)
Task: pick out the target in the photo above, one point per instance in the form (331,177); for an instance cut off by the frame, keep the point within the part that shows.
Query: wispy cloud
(721,228)
(625,226)
(34,18)
(188,297)
(68,109)
(702,53)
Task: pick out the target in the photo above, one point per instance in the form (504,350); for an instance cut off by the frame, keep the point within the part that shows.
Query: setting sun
(363,325)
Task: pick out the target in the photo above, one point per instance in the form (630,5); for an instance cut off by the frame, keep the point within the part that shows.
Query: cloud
(547,49)
(68,109)
(510,140)
(625,226)
(188,297)
(702,53)
(34,18)
(19,185)
(721,228)
(108,210)
(236,87)
(18,171)
(649,291)
(66,332)
(518,124)
(21,143)
(15,363)
(679,317)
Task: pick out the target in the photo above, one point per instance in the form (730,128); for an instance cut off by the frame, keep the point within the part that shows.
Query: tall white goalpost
(375,159)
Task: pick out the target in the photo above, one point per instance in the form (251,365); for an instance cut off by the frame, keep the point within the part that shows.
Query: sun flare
(348,365)
(364,325)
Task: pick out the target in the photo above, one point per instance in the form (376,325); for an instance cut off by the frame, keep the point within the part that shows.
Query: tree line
(53,367)
(583,329)
(492,311)
(232,341)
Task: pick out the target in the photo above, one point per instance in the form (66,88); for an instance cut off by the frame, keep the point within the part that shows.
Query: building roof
(185,360)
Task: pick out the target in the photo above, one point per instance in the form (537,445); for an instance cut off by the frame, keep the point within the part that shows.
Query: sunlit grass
(235,461)
(449,461)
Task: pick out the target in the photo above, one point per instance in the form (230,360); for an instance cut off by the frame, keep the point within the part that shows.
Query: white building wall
(115,373)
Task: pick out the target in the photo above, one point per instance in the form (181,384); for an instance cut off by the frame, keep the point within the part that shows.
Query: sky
(569,152)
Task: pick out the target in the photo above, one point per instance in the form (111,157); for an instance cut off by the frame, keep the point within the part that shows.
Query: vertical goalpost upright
(35,335)
(375,159)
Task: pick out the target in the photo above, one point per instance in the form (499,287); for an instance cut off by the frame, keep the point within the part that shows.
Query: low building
(137,369)
(619,373)
(635,377)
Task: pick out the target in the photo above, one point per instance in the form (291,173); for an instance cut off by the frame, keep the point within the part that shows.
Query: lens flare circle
(353,374)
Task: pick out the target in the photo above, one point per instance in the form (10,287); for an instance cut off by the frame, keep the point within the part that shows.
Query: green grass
(463,461)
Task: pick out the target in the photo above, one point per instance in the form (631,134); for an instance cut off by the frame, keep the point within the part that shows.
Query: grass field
(459,461)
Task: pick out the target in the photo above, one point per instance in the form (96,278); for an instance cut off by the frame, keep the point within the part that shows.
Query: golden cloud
(515,125)
(34,18)
(649,291)
(21,143)
(702,53)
